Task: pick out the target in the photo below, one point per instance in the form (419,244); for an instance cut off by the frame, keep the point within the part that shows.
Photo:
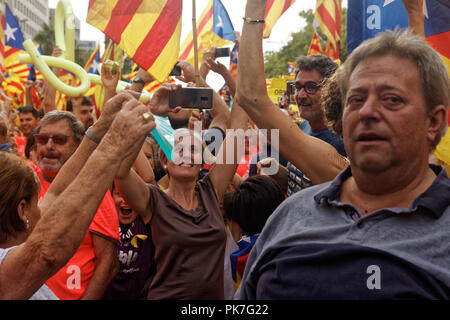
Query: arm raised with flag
(319,160)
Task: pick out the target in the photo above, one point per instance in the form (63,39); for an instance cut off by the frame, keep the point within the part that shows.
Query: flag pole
(194,32)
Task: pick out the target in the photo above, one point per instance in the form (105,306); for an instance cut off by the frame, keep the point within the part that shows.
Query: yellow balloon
(144,97)
(42,62)
(65,29)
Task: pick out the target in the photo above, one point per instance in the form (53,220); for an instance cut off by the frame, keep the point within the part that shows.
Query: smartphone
(191,98)
(290,87)
(176,71)
(222,52)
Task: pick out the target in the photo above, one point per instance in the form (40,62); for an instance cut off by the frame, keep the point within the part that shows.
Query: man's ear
(437,121)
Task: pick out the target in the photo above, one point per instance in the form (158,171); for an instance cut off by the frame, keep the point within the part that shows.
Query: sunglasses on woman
(60,139)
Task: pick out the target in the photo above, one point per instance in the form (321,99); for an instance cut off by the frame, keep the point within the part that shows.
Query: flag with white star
(13,34)
(214,29)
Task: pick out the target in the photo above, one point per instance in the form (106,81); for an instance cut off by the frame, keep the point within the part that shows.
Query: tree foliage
(276,62)
(46,38)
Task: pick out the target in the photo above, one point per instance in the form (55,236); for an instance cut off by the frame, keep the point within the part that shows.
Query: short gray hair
(404,44)
(57,115)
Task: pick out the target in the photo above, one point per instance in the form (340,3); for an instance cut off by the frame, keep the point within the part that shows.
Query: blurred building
(30,14)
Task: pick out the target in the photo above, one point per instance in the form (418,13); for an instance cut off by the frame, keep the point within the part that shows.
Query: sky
(290,22)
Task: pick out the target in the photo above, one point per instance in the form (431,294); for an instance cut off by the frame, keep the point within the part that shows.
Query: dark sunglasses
(60,139)
(310,87)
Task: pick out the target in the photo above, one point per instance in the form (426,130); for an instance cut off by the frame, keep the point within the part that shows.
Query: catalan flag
(291,69)
(328,15)
(234,55)
(148,31)
(239,258)
(274,10)
(437,28)
(214,29)
(333,54)
(315,47)
(15,74)
(2,40)
(91,65)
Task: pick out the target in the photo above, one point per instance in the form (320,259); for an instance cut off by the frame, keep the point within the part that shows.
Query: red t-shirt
(70,282)
(244,164)
(21,143)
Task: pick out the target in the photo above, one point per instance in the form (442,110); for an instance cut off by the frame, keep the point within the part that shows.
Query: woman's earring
(28,223)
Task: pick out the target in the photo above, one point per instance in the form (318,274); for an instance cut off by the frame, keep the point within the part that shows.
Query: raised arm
(321,162)
(85,149)
(209,63)
(222,172)
(416,17)
(49,90)
(143,168)
(129,184)
(28,98)
(109,82)
(63,226)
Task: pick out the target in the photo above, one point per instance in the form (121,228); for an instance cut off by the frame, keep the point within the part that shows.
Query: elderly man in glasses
(311,72)
(89,272)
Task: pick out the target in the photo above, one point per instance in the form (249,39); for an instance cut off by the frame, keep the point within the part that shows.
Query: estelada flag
(274,10)
(148,31)
(234,55)
(315,47)
(214,29)
(91,65)
(291,69)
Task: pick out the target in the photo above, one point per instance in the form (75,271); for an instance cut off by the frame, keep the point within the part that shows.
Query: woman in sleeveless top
(187,226)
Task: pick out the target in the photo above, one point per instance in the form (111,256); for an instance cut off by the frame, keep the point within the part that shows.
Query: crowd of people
(344,205)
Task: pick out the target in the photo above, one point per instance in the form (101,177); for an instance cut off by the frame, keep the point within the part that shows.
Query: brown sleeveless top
(189,246)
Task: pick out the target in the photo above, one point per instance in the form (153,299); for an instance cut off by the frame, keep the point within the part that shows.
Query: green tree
(46,38)
(276,62)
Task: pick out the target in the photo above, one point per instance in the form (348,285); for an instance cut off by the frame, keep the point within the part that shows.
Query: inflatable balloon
(43,63)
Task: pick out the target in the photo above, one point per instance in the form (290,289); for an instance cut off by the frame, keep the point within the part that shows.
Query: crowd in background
(93,208)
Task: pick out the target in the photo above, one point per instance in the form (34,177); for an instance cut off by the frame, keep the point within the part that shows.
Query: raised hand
(110,109)
(216,66)
(188,72)
(196,115)
(131,125)
(109,80)
(267,166)
(159,104)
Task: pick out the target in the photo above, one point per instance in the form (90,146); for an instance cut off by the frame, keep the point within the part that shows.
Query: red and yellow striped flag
(328,15)
(148,31)
(333,54)
(274,10)
(315,47)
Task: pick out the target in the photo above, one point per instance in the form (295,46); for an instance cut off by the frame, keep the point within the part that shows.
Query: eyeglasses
(310,87)
(60,139)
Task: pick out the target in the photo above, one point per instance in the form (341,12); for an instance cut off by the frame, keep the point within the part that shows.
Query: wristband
(249,20)
(92,135)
